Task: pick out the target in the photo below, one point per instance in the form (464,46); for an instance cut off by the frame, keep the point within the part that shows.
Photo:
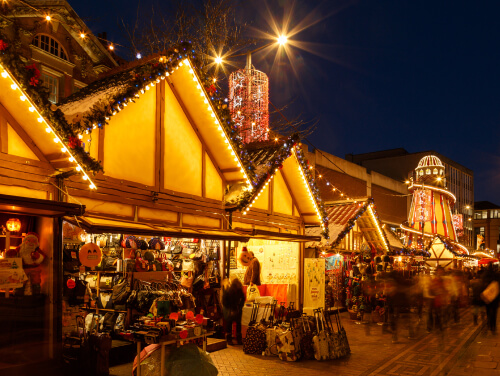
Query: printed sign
(12,275)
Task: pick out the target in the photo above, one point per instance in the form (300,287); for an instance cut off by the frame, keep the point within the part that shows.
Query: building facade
(340,180)
(399,164)
(50,34)
(487,226)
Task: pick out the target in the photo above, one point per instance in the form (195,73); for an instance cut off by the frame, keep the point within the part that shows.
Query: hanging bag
(490,293)
(252,292)
(214,278)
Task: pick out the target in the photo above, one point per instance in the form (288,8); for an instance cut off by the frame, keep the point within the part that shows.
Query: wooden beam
(22,133)
(4,140)
(160,115)
(62,164)
(229,170)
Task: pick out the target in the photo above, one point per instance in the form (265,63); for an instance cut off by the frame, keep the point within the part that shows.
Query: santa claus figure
(29,251)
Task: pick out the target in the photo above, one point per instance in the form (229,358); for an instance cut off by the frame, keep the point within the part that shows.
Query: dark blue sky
(417,74)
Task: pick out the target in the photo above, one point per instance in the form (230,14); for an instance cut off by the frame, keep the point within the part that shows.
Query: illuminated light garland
(217,120)
(49,129)
(431,187)
(379,230)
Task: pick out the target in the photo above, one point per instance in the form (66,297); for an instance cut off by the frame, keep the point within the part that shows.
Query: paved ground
(459,350)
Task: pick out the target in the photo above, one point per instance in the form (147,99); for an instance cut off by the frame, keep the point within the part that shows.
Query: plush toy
(29,251)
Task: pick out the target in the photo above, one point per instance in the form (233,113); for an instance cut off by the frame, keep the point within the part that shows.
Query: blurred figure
(491,308)
(437,300)
(233,300)
(477,287)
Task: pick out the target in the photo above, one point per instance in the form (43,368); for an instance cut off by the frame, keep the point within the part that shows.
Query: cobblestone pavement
(459,350)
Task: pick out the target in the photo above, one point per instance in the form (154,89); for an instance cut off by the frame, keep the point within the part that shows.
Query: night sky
(378,74)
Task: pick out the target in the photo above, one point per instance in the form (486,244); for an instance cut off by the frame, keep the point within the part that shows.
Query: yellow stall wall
(263,201)
(129,142)
(16,145)
(183,150)
(213,181)
(282,199)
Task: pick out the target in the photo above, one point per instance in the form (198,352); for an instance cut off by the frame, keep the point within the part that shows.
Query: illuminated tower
(249,102)
(430,212)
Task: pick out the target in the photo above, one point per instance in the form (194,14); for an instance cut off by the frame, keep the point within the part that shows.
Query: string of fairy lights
(50,16)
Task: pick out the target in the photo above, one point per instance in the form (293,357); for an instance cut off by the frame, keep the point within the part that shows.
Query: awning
(98,225)
(36,206)
(280,236)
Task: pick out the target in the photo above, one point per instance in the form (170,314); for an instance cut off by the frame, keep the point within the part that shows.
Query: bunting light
(217,122)
(48,127)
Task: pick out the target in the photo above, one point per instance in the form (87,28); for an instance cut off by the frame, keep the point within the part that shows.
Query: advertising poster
(314,284)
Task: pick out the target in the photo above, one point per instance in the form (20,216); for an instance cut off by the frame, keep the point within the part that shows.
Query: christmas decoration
(249,103)
(3,45)
(34,74)
(27,79)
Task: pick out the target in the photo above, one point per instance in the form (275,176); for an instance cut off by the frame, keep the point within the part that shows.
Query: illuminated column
(249,103)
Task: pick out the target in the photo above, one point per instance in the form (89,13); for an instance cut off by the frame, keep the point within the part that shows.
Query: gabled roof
(94,105)
(286,155)
(485,205)
(343,215)
(25,98)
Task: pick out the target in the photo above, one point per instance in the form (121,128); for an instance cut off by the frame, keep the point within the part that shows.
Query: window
(50,45)
(494,214)
(51,83)
(484,214)
(477,215)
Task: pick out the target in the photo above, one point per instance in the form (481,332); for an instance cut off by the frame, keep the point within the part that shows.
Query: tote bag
(491,292)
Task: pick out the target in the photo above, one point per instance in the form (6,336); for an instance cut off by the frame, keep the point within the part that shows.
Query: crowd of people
(438,297)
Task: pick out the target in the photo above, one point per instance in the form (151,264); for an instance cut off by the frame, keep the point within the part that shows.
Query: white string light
(48,129)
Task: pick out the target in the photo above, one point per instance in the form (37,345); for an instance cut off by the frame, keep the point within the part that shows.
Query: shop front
(358,249)
(31,282)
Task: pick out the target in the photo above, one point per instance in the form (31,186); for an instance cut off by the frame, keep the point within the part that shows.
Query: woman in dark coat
(233,300)
(491,308)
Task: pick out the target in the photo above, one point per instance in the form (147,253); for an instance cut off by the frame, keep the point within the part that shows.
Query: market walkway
(462,349)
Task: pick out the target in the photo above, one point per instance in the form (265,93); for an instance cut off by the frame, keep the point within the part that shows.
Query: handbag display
(320,340)
(306,340)
(157,244)
(255,339)
(121,292)
(187,265)
(288,345)
(187,251)
(91,279)
(176,249)
(187,279)
(106,282)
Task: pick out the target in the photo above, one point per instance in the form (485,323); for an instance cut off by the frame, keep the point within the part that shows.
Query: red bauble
(3,45)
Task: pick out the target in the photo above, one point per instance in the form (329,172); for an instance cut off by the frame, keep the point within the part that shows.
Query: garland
(277,164)
(139,78)
(352,221)
(29,81)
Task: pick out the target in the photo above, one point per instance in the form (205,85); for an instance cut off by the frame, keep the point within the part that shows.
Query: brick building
(341,180)
(486,226)
(50,34)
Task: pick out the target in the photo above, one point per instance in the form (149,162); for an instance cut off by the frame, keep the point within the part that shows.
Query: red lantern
(14,225)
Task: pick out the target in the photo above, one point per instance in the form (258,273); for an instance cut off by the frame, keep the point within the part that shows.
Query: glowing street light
(282,39)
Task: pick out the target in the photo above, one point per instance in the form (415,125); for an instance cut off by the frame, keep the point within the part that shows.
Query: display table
(162,344)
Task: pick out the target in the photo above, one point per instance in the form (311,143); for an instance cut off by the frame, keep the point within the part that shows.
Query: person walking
(491,276)
(233,300)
